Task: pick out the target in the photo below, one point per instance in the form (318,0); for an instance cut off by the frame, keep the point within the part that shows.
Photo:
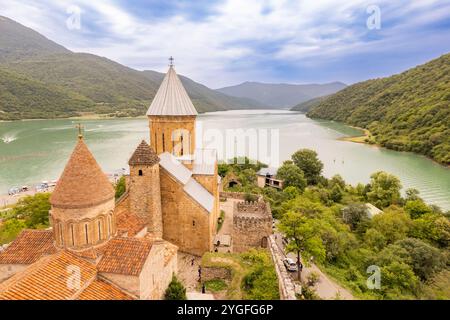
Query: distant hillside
(206,99)
(405,112)
(105,86)
(18,42)
(22,98)
(281,95)
(304,107)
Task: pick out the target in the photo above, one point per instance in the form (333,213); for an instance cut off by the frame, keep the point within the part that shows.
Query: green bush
(175,290)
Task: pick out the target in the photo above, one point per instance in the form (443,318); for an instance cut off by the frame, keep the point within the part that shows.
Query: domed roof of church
(82,183)
(143,155)
(171,98)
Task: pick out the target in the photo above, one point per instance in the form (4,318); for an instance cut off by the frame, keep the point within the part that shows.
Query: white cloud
(206,50)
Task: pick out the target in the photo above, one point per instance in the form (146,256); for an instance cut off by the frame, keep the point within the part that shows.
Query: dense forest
(405,112)
(407,242)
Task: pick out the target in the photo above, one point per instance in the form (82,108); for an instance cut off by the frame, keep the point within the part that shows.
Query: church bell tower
(172,119)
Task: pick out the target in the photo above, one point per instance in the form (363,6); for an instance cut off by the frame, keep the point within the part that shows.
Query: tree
(384,189)
(309,163)
(412,194)
(120,187)
(432,227)
(301,237)
(398,277)
(33,210)
(223,169)
(416,208)
(10,229)
(292,176)
(336,193)
(353,214)
(175,290)
(337,180)
(425,259)
(291,192)
(394,224)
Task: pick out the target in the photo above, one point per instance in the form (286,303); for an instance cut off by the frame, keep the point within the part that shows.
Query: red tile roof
(127,222)
(28,247)
(125,256)
(51,278)
(82,183)
(101,290)
(143,155)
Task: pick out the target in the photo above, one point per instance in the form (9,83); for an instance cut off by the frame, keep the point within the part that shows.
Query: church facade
(126,248)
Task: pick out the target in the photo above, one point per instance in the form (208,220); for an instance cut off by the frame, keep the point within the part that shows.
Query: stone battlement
(252,225)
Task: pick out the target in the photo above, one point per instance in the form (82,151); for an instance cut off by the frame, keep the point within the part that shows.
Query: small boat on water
(8,139)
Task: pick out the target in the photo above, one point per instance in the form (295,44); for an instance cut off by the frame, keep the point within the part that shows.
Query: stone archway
(264,241)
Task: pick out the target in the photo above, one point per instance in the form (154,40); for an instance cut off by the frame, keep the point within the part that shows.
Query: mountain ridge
(281,95)
(105,86)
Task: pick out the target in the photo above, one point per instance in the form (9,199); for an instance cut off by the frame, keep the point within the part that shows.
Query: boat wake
(8,138)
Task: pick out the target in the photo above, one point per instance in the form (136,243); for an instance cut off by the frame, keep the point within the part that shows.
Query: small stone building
(252,225)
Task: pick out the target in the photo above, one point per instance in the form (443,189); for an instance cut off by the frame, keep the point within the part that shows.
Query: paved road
(326,288)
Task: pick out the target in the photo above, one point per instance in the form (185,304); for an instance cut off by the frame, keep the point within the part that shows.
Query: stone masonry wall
(145,196)
(252,225)
(285,283)
(186,223)
(210,273)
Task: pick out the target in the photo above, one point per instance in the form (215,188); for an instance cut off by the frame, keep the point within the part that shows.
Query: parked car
(290,265)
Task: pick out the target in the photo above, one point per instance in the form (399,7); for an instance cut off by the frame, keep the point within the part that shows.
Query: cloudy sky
(226,42)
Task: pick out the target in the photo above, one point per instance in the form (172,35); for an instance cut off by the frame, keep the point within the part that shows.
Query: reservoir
(37,150)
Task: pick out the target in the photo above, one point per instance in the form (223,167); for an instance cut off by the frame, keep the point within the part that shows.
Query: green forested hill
(83,82)
(22,98)
(306,106)
(405,112)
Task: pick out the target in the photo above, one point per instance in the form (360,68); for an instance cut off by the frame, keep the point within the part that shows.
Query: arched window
(141,173)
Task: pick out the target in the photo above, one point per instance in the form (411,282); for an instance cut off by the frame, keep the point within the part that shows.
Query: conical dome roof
(143,155)
(171,98)
(82,183)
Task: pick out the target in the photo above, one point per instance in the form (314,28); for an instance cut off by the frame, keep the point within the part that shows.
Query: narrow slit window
(72,235)
(182,149)
(99,230)
(156,143)
(61,236)
(109,225)
(163,143)
(86,233)
(140,173)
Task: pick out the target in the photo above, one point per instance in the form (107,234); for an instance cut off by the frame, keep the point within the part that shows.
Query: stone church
(100,248)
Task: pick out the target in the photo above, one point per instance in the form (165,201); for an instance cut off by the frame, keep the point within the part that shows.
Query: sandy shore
(7,200)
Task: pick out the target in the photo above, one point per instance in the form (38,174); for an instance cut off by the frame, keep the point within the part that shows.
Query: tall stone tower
(172,119)
(144,187)
(82,204)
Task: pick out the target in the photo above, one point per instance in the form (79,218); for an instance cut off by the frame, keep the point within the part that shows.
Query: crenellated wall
(252,225)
